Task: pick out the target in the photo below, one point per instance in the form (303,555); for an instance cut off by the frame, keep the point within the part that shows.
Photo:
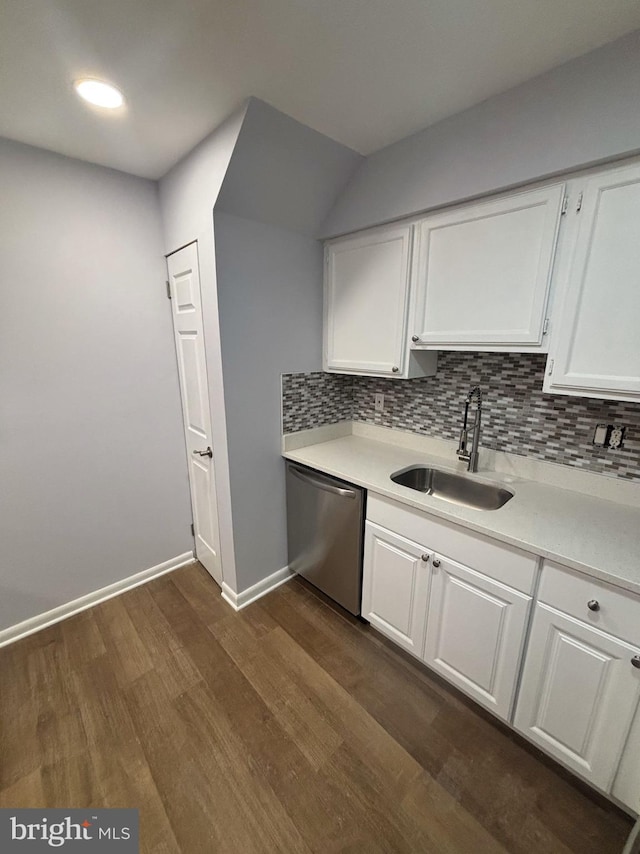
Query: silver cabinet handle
(415,338)
(636,661)
(207,453)
(425,558)
(593,605)
(435,562)
(395,370)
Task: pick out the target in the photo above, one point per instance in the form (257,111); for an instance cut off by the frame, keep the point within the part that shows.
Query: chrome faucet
(471,457)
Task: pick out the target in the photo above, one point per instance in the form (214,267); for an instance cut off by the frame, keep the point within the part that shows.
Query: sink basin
(455,488)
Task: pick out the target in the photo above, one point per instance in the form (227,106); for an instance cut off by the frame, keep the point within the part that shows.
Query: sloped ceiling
(363,72)
(283,173)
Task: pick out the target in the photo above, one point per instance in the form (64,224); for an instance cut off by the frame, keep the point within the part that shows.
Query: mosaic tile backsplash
(516,416)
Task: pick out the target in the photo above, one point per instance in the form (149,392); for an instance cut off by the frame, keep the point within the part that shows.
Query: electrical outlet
(379,402)
(616,437)
(608,436)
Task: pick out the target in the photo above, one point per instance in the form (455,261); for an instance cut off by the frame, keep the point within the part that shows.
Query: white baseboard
(55,615)
(256,591)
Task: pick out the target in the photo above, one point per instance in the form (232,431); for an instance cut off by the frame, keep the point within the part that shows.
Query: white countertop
(596,536)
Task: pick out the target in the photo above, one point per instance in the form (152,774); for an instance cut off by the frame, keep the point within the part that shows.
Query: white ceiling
(364,72)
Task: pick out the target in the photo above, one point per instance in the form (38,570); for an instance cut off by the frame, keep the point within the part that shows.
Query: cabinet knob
(425,558)
(415,338)
(435,562)
(593,605)
(636,661)
(395,370)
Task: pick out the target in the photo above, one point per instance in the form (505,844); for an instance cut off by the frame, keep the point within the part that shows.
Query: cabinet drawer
(569,591)
(503,563)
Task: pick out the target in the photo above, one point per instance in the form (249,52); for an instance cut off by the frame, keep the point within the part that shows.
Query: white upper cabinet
(484,272)
(595,350)
(367,287)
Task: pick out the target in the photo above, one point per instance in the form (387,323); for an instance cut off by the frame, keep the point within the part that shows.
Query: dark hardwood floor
(283,728)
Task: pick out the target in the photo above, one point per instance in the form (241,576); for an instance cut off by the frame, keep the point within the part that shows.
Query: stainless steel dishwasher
(325,520)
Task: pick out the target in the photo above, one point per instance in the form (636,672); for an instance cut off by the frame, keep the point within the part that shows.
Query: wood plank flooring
(286,727)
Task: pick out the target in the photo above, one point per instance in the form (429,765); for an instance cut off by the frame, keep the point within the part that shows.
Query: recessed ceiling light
(99,93)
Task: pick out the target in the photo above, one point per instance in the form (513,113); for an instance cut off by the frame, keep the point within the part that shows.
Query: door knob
(415,338)
(636,661)
(593,605)
(207,453)
(435,562)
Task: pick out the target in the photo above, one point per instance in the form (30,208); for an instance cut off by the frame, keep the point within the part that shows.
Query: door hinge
(565,205)
(545,328)
(579,205)
(193,530)
(168,289)
(551,364)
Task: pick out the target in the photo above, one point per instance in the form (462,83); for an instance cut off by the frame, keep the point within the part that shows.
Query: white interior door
(184,287)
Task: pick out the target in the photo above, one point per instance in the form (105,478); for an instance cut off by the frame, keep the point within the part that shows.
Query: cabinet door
(395,585)
(475,633)
(626,786)
(366,297)
(595,346)
(484,272)
(578,694)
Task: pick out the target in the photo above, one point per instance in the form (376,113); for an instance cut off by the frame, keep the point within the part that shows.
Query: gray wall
(283,172)
(581,113)
(188,193)
(271,182)
(189,190)
(270,302)
(92,462)
(281,181)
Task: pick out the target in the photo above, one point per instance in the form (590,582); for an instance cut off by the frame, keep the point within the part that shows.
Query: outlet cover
(379,402)
(600,435)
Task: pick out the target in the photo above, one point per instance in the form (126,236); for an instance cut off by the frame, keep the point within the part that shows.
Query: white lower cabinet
(626,786)
(395,587)
(474,625)
(475,633)
(578,695)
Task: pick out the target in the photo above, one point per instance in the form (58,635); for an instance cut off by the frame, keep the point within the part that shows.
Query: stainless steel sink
(455,488)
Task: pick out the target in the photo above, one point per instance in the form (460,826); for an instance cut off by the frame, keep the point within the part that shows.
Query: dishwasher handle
(321,482)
